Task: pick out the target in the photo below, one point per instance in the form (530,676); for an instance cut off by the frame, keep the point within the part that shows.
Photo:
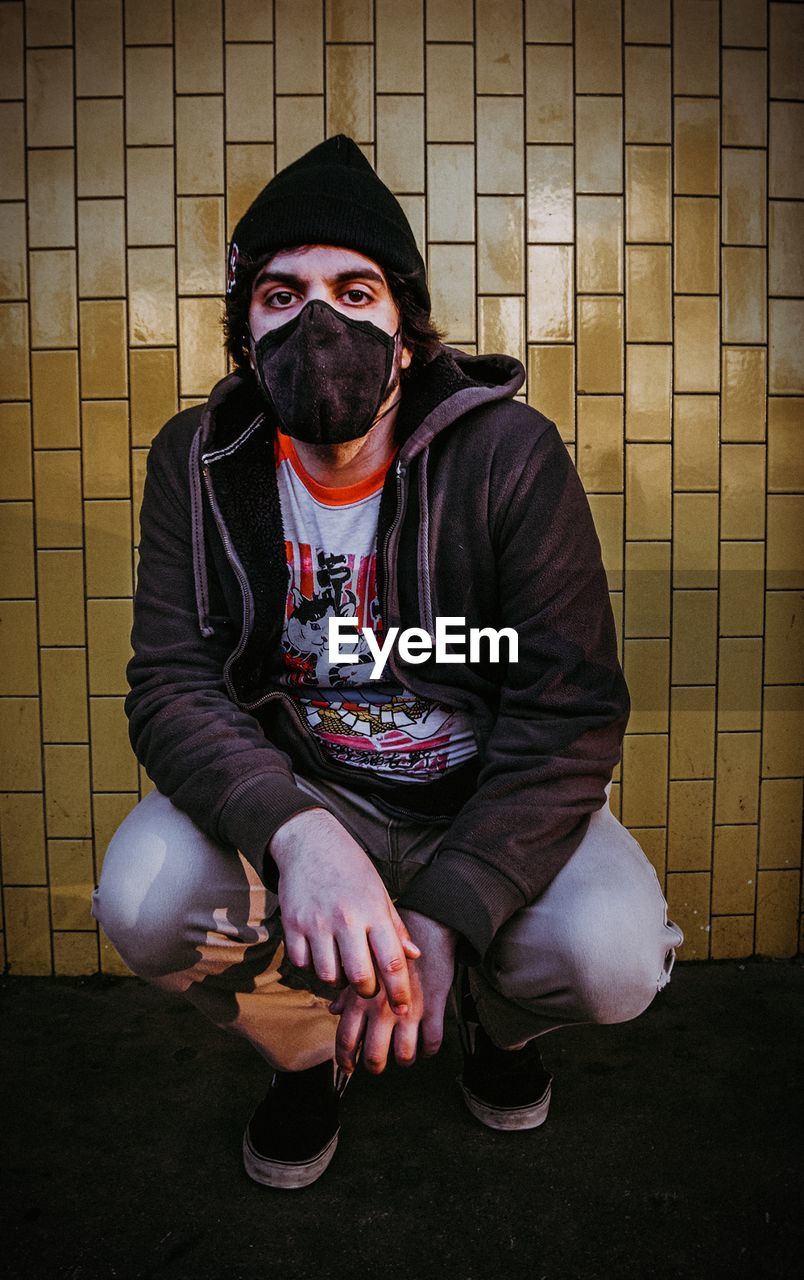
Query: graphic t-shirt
(331,548)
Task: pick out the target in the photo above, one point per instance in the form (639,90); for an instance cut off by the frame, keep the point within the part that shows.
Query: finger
(410,949)
(392,967)
(405,1037)
(349,1035)
(297,950)
(325,957)
(432,1030)
(408,945)
(339,1003)
(358,964)
(377,1042)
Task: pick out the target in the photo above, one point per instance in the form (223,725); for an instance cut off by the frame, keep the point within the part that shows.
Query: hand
(337,916)
(375,1025)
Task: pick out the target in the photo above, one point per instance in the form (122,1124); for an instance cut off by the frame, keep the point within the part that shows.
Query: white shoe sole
(281,1173)
(508,1118)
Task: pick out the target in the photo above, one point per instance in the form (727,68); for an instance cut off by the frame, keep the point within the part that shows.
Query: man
(327,852)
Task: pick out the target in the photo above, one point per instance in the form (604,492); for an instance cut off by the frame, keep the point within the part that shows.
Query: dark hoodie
(483,517)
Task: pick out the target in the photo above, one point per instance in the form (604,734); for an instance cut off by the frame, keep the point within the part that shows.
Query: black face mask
(324,374)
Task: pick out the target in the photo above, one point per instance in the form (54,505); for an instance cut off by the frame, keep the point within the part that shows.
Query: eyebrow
(297,282)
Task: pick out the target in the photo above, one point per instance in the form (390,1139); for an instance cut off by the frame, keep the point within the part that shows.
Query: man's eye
(358,295)
(282,298)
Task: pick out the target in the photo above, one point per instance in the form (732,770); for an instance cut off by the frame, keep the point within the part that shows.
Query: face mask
(324,374)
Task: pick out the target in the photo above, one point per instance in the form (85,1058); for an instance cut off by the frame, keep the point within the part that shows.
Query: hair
(418,332)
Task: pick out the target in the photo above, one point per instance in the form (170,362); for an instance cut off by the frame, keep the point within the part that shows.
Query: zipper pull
(400,469)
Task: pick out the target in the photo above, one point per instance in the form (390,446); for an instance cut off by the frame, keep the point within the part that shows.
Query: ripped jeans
(193,918)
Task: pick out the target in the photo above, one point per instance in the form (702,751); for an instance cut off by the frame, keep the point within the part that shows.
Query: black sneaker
(503,1088)
(292,1136)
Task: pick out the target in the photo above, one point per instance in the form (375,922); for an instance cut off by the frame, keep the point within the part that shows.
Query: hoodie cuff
(466,894)
(254,811)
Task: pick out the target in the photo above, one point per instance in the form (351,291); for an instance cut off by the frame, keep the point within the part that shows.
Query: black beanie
(331,195)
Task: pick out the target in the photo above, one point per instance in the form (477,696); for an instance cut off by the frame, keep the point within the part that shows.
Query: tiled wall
(591,183)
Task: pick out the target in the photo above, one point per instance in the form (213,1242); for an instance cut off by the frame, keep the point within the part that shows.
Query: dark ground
(671,1150)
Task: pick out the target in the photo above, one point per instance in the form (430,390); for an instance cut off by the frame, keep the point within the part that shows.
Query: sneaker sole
(508,1118)
(285,1174)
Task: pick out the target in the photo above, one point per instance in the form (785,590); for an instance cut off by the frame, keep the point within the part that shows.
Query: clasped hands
(395,968)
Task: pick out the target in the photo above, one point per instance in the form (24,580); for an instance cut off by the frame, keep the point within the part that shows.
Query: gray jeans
(194,918)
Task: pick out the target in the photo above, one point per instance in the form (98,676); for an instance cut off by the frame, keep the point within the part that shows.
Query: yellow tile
(783,731)
(550,293)
(786,51)
(647,670)
(18,656)
(697,344)
(198,43)
(450,193)
(689,826)
(744,196)
(500,146)
(735,869)
(786,169)
(28,931)
(106,449)
(414,210)
(98,47)
(57,475)
(149,96)
(600,345)
(107,531)
(248,168)
(199,145)
(688,905)
(64,695)
(101,249)
(55,399)
(16,476)
(114,766)
(153,392)
(785,455)
(647,94)
(450,96)
(694,637)
(99,149)
(502,325)
(103,350)
(742,581)
(111,962)
(696,46)
(777,913)
(75,954)
(551,385)
(498,41)
(399,46)
(648,293)
(607,512)
(786,372)
(647,589)
(743,491)
(785,269)
(249,93)
(202,359)
(201,244)
(20,745)
(697,246)
(616,601)
(61,597)
(549,98)
(109,809)
(109,626)
(151,21)
(648,392)
(696,152)
(138,467)
(550,194)
(647,483)
(67,810)
(72,876)
(692,731)
(598,46)
(54,312)
(784,651)
(740,683)
(50,98)
(12,148)
(647,21)
(23,825)
(600,443)
(743,411)
(13,275)
(14,376)
(652,842)
(352,20)
(600,244)
(501,243)
(51,199)
(744,22)
(350,98)
(744,98)
(599,145)
(644,795)
(452,286)
(152,301)
(16,548)
(780,824)
(695,540)
(299,126)
(400,142)
(146,784)
(12,60)
(732,937)
(744,295)
(150,196)
(48,22)
(696,452)
(737,773)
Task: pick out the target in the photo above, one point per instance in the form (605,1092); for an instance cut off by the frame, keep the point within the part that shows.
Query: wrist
(285,840)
